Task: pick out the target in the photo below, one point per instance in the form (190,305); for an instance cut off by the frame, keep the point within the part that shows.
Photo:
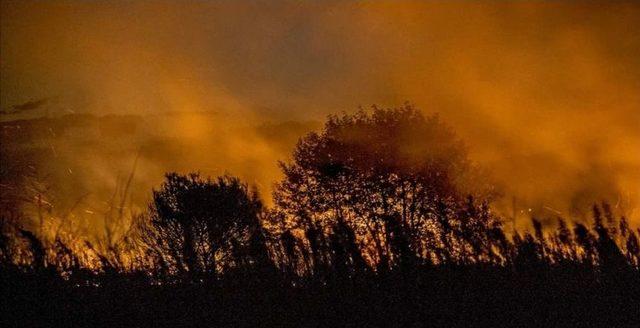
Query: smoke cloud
(545,94)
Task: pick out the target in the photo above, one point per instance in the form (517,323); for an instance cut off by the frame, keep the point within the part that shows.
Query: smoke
(545,94)
(28,106)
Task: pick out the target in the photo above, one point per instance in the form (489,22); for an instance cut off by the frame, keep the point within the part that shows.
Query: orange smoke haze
(545,94)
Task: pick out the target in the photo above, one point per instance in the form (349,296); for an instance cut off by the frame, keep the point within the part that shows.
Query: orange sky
(545,94)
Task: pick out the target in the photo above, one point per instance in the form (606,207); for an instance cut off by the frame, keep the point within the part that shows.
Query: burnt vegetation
(380,219)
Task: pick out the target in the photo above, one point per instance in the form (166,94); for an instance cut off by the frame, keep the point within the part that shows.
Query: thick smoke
(545,94)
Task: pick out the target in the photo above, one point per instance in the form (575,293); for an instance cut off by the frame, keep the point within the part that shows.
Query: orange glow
(545,94)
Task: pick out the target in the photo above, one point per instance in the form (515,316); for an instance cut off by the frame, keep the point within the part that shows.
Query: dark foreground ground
(455,298)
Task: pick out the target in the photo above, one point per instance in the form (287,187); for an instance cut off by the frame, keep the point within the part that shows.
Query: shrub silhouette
(198,227)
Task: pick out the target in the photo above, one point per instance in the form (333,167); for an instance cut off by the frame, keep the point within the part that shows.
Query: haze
(544,94)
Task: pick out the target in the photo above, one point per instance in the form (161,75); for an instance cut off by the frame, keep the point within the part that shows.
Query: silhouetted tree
(395,178)
(200,226)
